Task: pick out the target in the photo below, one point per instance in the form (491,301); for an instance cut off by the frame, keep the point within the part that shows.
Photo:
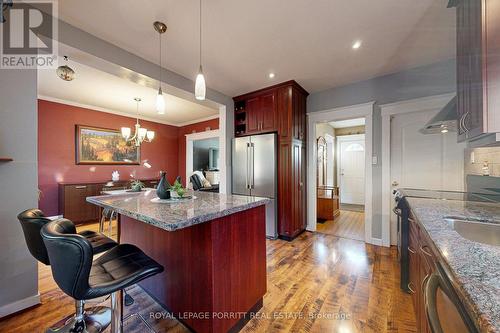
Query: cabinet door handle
(410,288)
(461,123)
(425,252)
(81,187)
(411,250)
(465,121)
(423,282)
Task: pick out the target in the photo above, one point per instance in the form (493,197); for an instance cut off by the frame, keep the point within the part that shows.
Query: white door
(432,161)
(352,170)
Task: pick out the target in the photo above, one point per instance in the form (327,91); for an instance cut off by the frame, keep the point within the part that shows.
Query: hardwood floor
(317,283)
(349,224)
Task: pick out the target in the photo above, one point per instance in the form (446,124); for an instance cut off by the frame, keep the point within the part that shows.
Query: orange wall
(198,127)
(56,150)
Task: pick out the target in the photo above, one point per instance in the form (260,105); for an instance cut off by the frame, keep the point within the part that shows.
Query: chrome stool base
(96,320)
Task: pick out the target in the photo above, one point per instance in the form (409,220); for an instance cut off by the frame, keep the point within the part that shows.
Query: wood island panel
(217,267)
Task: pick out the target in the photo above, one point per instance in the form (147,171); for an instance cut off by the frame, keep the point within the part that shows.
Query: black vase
(163,189)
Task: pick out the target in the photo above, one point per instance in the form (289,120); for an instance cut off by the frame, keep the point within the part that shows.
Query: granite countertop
(177,215)
(473,268)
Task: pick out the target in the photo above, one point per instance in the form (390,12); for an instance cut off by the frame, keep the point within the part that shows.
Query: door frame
(388,111)
(364,110)
(346,138)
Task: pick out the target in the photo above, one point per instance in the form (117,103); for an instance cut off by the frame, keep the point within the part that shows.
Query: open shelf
(6,159)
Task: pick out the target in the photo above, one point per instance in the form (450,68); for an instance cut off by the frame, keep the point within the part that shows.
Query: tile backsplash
(476,157)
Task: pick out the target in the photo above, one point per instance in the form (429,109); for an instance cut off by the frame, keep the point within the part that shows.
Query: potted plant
(177,190)
(136,185)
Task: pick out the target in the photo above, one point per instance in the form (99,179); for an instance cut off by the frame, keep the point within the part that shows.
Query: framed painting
(96,145)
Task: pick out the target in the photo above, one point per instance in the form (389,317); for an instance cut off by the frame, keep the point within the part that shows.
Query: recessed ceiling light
(271,75)
(356,45)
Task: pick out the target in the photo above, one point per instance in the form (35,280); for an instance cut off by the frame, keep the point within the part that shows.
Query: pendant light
(65,72)
(200,88)
(160,27)
(141,134)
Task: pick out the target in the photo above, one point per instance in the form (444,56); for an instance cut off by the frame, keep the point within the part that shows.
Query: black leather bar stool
(81,277)
(32,221)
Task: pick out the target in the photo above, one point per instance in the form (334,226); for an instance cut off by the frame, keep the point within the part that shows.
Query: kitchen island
(213,249)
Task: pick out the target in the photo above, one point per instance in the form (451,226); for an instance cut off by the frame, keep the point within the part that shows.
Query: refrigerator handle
(248,159)
(252,163)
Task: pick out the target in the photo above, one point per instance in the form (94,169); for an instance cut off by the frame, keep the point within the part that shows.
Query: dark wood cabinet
(253,115)
(422,264)
(292,113)
(260,113)
(281,109)
(478,68)
(72,198)
(74,206)
(268,112)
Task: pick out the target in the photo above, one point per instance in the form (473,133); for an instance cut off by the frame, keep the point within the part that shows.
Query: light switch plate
(374,160)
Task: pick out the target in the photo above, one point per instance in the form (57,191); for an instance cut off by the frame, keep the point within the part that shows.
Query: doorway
(203,156)
(340,178)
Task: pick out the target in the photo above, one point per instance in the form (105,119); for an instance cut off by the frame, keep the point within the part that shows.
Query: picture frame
(103,146)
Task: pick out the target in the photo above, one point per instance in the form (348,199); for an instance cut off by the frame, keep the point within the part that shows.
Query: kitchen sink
(477,230)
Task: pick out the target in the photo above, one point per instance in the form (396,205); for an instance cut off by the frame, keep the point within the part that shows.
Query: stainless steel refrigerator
(255,172)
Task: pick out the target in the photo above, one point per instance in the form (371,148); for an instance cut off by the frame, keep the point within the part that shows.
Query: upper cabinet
(280,108)
(478,68)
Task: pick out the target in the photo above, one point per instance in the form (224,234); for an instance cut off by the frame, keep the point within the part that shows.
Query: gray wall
(435,79)
(18,184)
(200,152)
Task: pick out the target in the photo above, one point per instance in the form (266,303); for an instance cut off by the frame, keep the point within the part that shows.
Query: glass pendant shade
(200,88)
(142,133)
(160,102)
(126,132)
(65,73)
(150,135)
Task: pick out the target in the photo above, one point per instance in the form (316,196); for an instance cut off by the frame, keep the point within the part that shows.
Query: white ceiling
(347,123)
(106,92)
(309,41)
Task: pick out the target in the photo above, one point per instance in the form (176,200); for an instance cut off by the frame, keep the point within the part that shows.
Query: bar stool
(32,221)
(109,214)
(81,277)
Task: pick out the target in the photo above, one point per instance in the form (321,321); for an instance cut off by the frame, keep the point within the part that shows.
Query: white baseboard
(19,305)
(374,241)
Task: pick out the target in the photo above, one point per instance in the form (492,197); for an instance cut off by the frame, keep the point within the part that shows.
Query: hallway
(349,224)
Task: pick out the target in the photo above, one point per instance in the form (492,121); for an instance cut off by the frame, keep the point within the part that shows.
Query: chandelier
(141,134)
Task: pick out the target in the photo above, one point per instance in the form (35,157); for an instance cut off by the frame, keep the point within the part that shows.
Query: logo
(28,31)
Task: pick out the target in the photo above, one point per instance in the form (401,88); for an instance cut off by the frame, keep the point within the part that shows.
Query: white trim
(203,135)
(225,176)
(364,110)
(22,304)
(387,111)
(124,114)
(375,241)
(416,105)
